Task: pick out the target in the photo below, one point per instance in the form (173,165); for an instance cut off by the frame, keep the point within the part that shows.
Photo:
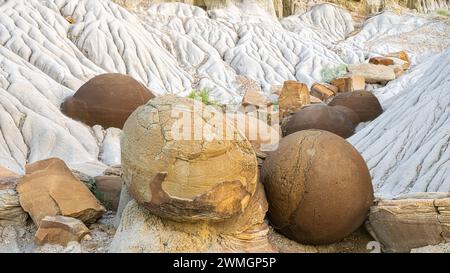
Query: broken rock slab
(349,84)
(49,188)
(402,225)
(60,230)
(323,91)
(11,213)
(293,96)
(372,73)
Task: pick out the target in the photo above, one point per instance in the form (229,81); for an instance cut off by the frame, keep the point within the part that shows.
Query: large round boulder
(324,117)
(182,161)
(318,187)
(107,100)
(364,103)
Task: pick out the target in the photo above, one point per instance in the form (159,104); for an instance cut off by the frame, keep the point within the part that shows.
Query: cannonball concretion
(318,187)
(178,174)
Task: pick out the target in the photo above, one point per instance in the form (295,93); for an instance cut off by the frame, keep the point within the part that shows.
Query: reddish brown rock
(318,187)
(293,96)
(49,188)
(107,100)
(322,117)
(402,55)
(349,84)
(352,115)
(364,103)
(60,230)
(381,61)
(256,98)
(109,187)
(323,90)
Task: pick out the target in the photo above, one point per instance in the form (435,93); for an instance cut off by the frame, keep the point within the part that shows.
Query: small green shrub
(330,73)
(443,12)
(203,96)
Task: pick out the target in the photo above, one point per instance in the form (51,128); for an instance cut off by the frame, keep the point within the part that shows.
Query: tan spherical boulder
(318,187)
(107,100)
(322,117)
(180,162)
(364,103)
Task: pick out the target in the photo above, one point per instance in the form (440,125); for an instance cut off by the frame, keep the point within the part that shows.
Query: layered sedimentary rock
(11,213)
(401,225)
(60,230)
(141,231)
(49,188)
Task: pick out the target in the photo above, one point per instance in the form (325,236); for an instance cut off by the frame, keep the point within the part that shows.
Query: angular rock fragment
(49,188)
(402,55)
(349,84)
(323,91)
(255,98)
(107,100)
(372,73)
(11,213)
(401,225)
(108,189)
(293,96)
(381,61)
(60,230)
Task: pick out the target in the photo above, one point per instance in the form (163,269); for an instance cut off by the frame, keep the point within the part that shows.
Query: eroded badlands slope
(51,47)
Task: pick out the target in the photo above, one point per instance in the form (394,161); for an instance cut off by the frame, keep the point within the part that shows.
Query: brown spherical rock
(352,115)
(322,117)
(186,177)
(107,100)
(318,187)
(364,103)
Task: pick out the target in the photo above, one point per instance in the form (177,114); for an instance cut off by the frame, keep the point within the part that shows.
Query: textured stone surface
(60,230)
(109,187)
(107,100)
(363,103)
(381,61)
(372,73)
(293,96)
(11,213)
(349,84)
(141,231)
(318,187)
(401,225)
(322,117)
(169,172)
(49,189)
(323,91)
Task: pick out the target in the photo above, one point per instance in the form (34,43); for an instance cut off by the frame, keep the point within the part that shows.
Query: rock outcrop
(318,187)
(11,213)
(49,188)
(401,225)
(141,231)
